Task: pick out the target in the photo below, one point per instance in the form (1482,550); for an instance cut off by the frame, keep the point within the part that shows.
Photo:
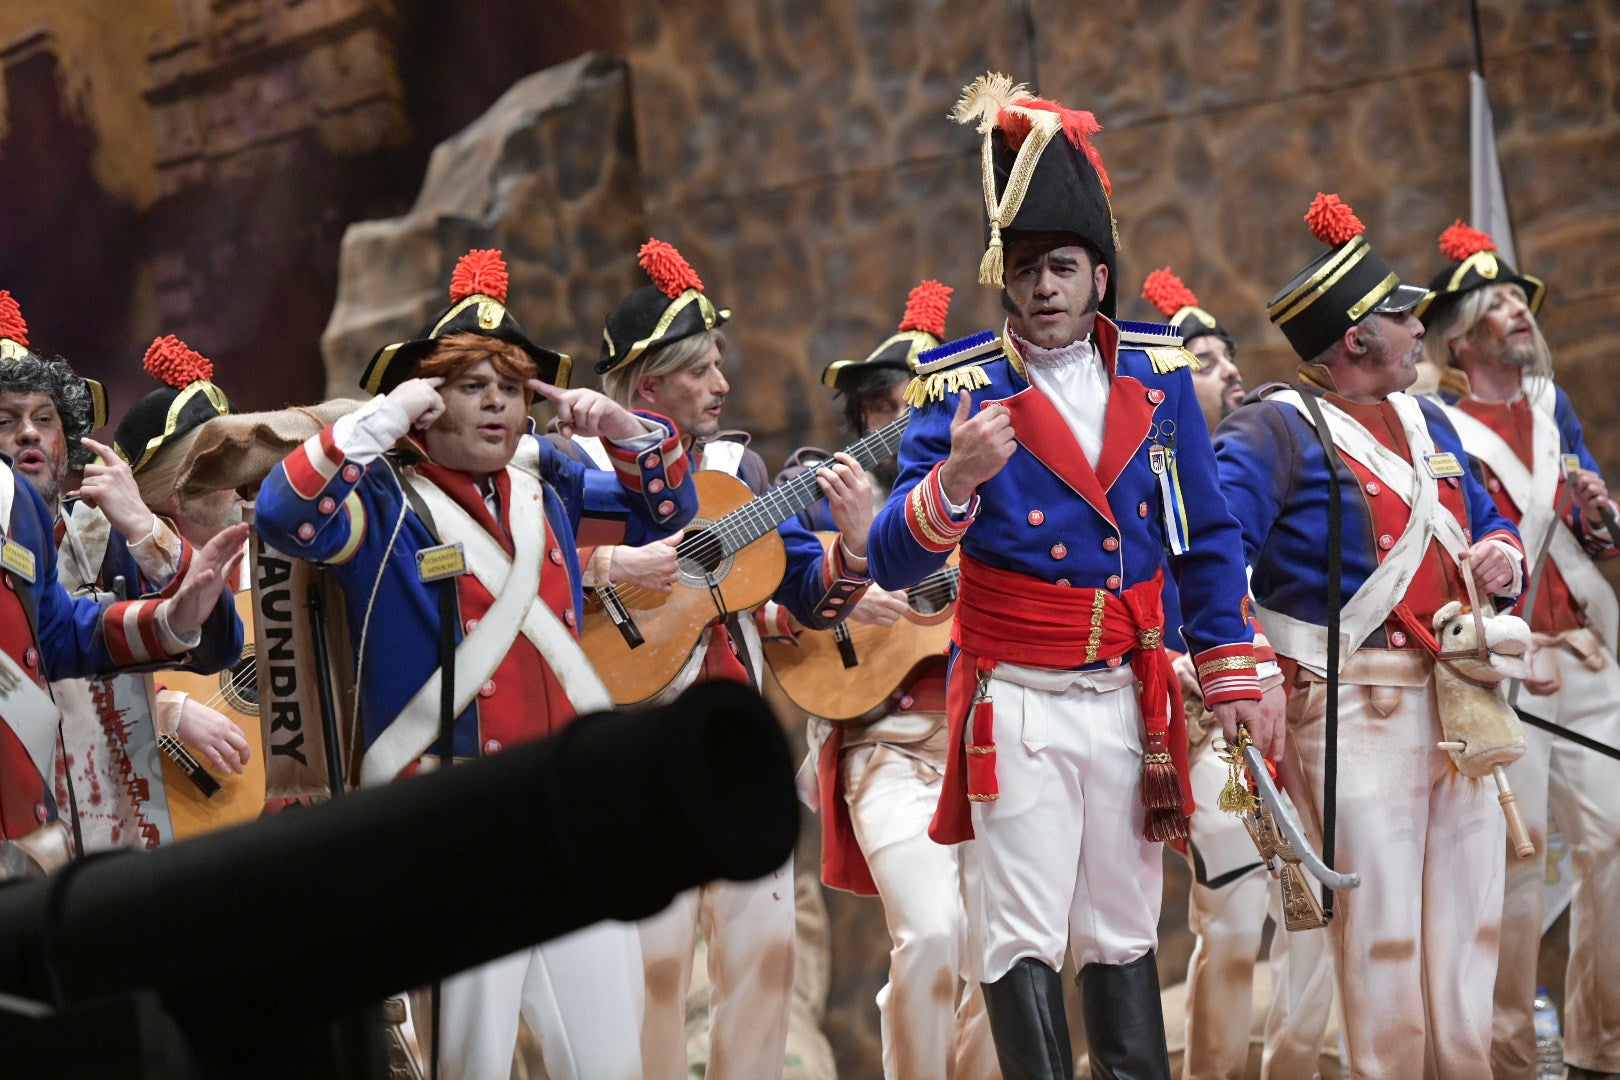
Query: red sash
(1002,616)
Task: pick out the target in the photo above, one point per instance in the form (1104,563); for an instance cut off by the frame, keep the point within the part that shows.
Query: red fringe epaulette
(669,271)
(1167,292)
(480,272)
(927,307)
(1459,241)
(12,324)
(1332,221)
(170,360)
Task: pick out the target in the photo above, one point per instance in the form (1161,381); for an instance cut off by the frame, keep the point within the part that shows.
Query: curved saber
(1283,814)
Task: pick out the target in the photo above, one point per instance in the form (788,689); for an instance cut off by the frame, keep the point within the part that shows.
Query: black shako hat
(186,401)
(1167,292)
(922,327)
(1474,264)
(673,307)
(14,346)
(477,306)
(1035,182)
(1340,287)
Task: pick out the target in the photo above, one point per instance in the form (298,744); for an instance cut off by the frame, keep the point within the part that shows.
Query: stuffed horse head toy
(1473,707)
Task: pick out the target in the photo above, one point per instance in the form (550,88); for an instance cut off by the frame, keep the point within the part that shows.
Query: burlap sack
(239,451)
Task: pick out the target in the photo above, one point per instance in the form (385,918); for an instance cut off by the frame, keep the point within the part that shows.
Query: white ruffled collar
(1075,352)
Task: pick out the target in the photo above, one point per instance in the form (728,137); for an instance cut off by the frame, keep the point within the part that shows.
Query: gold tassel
(990,267)
(1235,797)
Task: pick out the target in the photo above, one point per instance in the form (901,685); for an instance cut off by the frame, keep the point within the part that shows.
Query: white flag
(1489,211)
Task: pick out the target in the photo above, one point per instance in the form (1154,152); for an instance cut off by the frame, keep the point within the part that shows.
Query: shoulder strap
(1330,718)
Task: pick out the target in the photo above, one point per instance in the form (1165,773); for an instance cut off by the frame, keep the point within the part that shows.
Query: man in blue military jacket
(1066,456)
(1414,947)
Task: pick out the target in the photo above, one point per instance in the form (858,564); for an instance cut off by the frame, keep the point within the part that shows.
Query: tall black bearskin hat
(1474,264)
(1034,182)
(477,306)
(186,401)
(79,416)
(1339,288)
(921,327)
(1171,296)
(673,307)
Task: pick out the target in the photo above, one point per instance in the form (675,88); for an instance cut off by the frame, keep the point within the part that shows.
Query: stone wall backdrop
(261,176)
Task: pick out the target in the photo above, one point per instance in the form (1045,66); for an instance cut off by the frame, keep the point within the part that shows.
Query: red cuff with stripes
(1227,673)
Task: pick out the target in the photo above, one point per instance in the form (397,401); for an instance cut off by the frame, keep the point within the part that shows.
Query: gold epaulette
(952,368)
(1161,342)
(1166,359)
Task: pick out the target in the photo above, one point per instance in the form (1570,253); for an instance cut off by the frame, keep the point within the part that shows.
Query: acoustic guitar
(848,673)
(199,801)
(730,560)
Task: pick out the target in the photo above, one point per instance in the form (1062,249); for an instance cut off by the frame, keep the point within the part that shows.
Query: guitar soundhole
(703,560)
(240,685)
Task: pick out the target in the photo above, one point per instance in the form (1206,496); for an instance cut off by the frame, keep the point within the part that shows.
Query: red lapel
(1125,425)
(1042,431)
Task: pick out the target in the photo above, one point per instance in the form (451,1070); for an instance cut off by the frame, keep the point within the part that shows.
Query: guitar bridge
(176,752)
(620,616)
(846,646)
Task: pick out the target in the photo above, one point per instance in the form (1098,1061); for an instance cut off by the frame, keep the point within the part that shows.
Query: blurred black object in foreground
(263,951)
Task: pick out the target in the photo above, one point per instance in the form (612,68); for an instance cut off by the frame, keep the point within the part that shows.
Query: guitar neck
(759,516)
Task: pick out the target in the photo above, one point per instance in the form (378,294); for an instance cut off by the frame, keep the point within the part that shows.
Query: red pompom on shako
(12,325)
(172,361)
(480,272)
(1167,292)
(927,307)
(1459,241)
(1332,221)
(669,271)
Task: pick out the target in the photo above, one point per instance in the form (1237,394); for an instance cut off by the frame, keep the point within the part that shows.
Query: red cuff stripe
(1227,673)
(313,465)
(929,520)
(130,629)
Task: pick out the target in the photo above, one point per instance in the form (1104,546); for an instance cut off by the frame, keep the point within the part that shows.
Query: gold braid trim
(1099,600)
(919,513)
(1042,126)
(1166,359)
(1225,663)
(941,384)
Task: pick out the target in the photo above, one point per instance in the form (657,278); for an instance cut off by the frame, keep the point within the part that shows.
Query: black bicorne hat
(1340,287)
(1474,264)
(14,346)
(477,306)
(922,327)
(186,401)
(1041,173)
(673,307)
(1167,292)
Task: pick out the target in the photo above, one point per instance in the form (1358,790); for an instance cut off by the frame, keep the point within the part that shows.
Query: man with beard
(1414,948)
(1526,443)
(104,532)
(663,350)
(44,632)
(1051,453)
(877,780)
(451,528)
(1232,891)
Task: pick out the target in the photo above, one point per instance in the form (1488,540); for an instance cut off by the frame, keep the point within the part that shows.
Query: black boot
(1124,1020)
(1025,1009)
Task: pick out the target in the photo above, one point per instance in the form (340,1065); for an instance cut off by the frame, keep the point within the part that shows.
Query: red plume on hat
(1332,221)
(926,308)
(1459,241)
(1078,125)
(1167,292)
(480,272)
(668,269)
(170,360)
(12,325)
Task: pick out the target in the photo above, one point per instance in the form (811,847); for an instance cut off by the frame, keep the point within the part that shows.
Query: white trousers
(1583,788)
(749,929)
(580,994)
(927,1015)
(1062,863)
(1415,946)
(1229,918)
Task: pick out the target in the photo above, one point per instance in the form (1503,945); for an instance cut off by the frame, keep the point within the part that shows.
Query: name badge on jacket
(19,560)
(1443,465)
(438,563)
